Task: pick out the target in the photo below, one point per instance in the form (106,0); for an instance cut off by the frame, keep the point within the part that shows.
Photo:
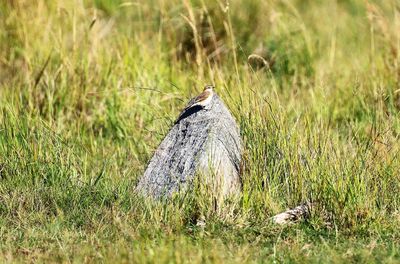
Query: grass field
(88,89)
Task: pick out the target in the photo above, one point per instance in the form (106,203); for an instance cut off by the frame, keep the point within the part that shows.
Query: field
(88,89)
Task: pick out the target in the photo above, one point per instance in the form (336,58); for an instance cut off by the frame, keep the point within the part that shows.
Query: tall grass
(88,89)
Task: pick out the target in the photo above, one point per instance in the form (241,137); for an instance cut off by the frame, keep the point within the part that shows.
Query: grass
(88,89)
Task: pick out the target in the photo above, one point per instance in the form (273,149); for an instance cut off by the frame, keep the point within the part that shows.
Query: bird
(201,100)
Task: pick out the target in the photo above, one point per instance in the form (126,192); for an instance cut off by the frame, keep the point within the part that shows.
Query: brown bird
(202,100)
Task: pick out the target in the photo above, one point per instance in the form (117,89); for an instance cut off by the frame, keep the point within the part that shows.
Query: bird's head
(208,87)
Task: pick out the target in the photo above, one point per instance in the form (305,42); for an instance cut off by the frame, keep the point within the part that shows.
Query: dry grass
(88,90)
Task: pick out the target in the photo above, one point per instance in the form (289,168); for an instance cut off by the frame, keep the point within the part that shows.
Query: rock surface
(300,212)
(204,142)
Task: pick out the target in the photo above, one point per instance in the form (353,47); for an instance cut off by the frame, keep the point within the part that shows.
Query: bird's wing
(192,101)
(197,99)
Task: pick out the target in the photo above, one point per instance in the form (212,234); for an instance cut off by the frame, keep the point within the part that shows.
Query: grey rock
(204,142)
(300,212)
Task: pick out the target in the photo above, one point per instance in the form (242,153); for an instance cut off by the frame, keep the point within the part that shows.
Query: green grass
(89,89)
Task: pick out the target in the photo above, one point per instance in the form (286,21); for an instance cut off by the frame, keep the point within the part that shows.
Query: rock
(204,142)
(293,215)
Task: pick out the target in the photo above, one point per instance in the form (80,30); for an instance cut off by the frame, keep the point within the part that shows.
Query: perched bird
(201,100)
